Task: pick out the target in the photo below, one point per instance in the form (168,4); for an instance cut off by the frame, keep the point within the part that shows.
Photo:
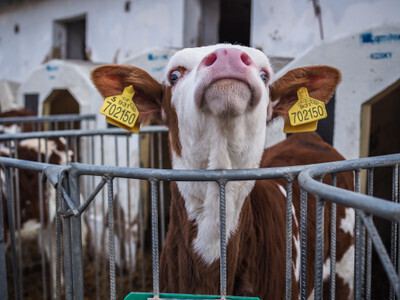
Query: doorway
(380,135)
(61,102)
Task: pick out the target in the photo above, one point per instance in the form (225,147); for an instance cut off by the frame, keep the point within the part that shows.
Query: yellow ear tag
(121,111)
(305,113)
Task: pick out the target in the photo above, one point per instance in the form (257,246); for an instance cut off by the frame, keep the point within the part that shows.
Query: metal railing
(94,147)
(53,122)
(70,210)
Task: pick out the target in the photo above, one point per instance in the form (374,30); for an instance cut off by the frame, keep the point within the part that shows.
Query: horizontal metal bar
(185,175)
(29,165)
(77,133)
(43,119)
(372,205)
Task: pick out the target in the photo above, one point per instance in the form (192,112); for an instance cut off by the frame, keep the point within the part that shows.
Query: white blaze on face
(220,94)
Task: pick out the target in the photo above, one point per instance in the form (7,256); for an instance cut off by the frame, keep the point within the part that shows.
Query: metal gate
(71,208)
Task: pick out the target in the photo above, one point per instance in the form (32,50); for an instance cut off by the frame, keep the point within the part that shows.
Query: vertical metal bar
(130,257)
(42,234)
(91,159)
(76,239)
(303,244)
(111,238)
(319,247)
(359,247)
(3,266)
(16,186)
(368,257)
(67,255)
(222,218)
(141,223)
(67,142)
(58,228)
(41,217)
(10,213)
(103,212)
(49,224)
(333,244)
(154,230)
(162,209)
(289,238)
(394,229)
(119,222)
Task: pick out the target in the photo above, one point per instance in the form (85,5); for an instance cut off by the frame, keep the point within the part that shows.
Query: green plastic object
(145,296)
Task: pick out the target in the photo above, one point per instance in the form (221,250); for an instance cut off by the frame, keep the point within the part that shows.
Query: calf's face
(216,101)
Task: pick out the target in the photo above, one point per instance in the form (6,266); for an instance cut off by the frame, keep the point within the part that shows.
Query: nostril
(210,59)
(246,59)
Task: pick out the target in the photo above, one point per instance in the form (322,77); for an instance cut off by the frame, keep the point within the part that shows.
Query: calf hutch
(8,95)
(366,106)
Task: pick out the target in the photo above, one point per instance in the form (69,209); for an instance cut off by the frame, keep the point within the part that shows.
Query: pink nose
(233,59)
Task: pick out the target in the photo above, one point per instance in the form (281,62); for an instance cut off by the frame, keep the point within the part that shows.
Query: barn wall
(112,34)
(289,27)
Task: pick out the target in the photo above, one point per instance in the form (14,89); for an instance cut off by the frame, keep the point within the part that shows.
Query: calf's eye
(174,77)
(264,76)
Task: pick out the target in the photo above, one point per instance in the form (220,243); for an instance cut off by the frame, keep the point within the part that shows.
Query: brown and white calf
(216,101)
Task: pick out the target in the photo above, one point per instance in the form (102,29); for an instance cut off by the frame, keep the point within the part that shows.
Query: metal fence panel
(74,209)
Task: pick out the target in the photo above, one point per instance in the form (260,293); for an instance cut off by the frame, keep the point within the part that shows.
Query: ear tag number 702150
(121,111)
(305,113)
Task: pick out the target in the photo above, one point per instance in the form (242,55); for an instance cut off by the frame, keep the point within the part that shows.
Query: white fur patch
(345,268)
(347,223)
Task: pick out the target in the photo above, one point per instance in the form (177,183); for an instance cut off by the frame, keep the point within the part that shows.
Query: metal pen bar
(394,227)
(319,247)
(154,230)
(368,257)
(381,252)
(76,239)
(141,224)
(160,166)
(58,227)
(130,258)
(111,238)
(3,266)
(332,295)
(16,187)
(303,244)
(222,219)
(289,237)
(11,226)
(359,247)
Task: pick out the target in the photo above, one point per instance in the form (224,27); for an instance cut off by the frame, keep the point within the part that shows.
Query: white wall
(112,34)
(289,27)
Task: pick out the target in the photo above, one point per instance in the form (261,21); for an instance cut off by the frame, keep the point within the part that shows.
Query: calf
(216,101)
(53,151)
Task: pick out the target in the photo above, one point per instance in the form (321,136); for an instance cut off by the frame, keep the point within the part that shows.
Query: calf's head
(216,101)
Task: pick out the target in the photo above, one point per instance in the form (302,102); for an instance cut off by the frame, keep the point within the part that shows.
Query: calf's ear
(320,81)
(111,80)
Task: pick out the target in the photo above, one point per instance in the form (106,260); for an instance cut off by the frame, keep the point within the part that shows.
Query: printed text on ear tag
(305,113)
(121,111)
(306,109)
